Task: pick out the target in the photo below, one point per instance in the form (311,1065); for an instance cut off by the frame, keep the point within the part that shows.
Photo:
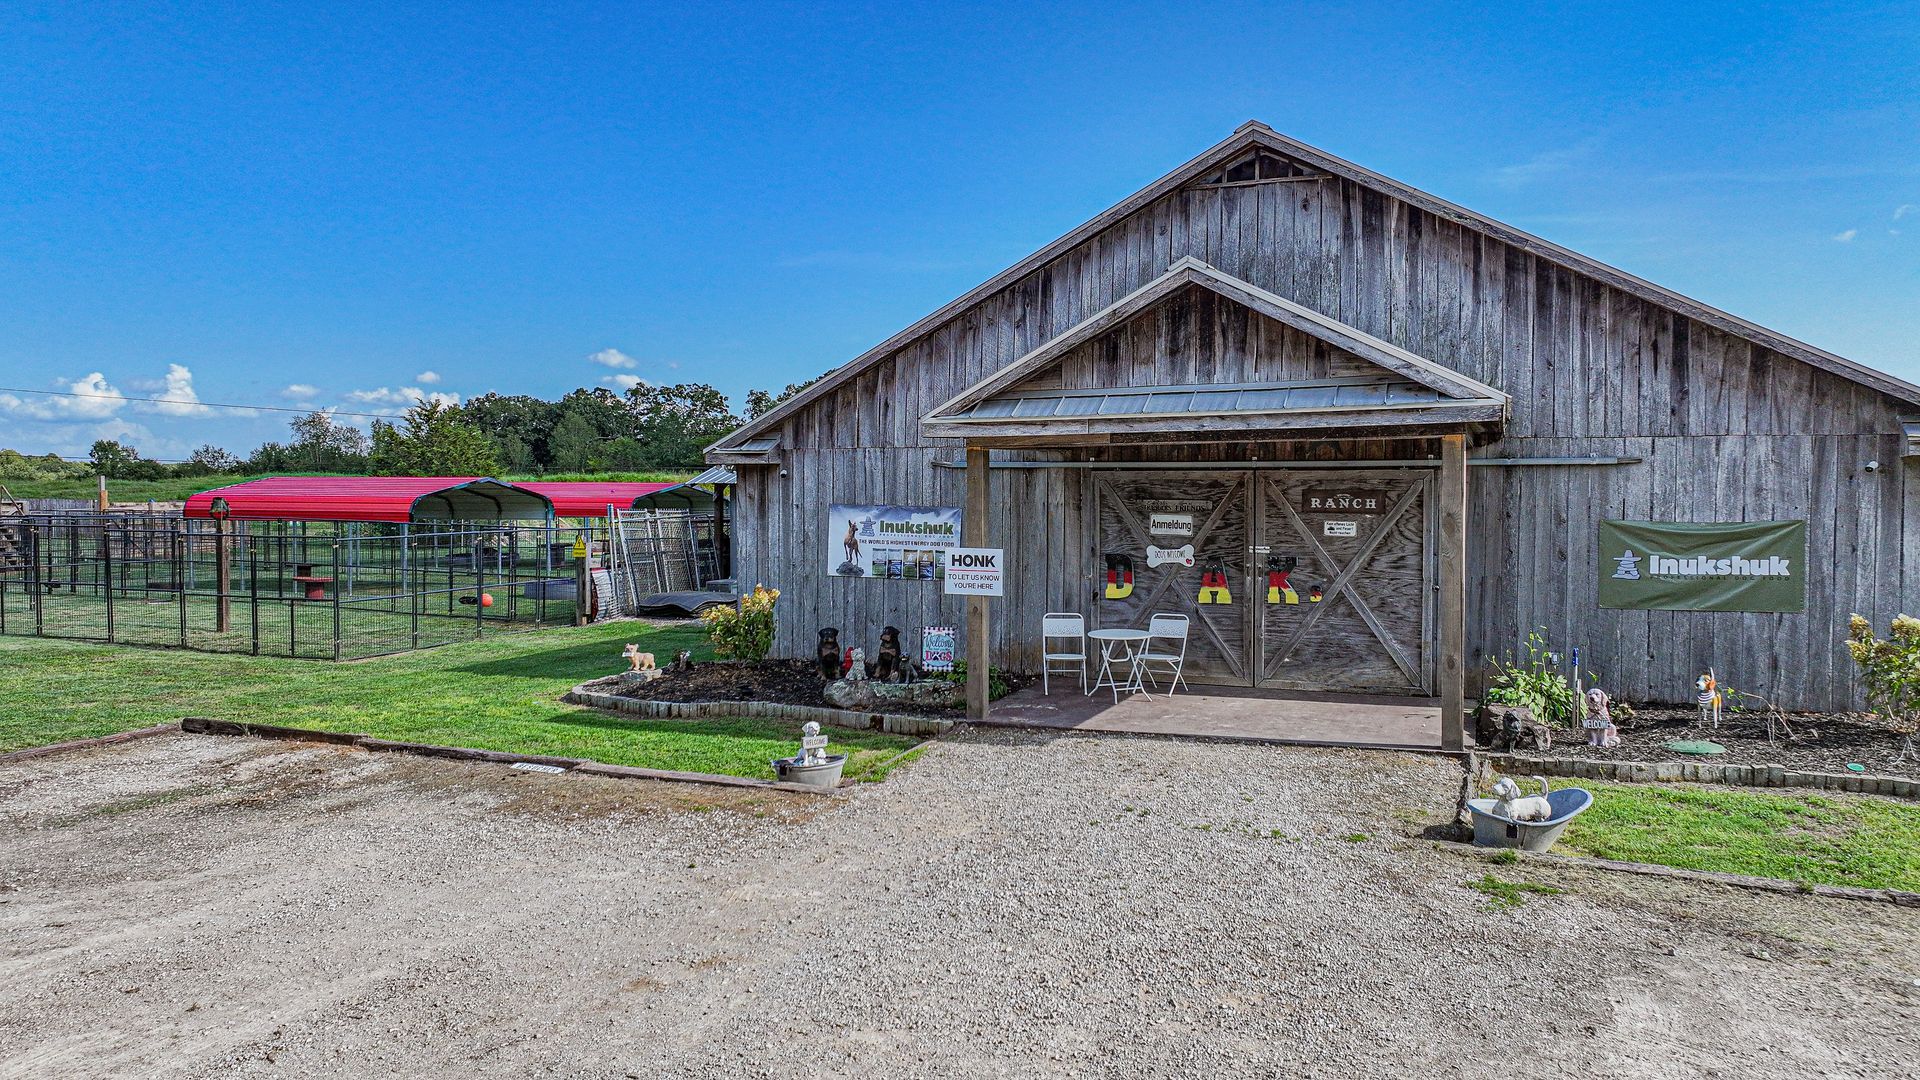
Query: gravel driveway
(1012,905)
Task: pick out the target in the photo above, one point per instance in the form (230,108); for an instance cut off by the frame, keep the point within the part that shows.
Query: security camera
(1873,466)
(783,474)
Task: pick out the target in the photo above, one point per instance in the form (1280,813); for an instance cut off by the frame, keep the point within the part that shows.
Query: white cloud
(1846,237)
(1903,210)
(95,400)
(1544,165)
(427,377)
(614,358)
(398,401)
(300,391)
(625,382)
(177,389)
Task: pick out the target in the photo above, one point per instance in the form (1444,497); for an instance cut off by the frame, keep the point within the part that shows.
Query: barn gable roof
(1209,167)
(1448,384)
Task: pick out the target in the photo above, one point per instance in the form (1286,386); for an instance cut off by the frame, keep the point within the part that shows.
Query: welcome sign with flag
(1724,566)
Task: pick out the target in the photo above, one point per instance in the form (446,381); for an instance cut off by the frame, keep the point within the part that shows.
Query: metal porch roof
(374,498)
(1223,399)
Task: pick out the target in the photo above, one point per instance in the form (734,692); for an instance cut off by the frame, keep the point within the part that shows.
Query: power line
(184,401)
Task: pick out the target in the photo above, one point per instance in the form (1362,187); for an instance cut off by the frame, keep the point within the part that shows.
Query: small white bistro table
(1119,646)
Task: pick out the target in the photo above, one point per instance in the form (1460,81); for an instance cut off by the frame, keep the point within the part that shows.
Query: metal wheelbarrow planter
(1493,830)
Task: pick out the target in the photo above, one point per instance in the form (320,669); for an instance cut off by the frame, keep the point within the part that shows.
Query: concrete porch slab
(1219,712)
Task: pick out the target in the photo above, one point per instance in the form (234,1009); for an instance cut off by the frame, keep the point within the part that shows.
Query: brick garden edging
(1705,772)
(892,723)
(87,744)
(195,725)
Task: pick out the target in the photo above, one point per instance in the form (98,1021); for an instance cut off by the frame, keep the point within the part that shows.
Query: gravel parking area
(1014,904)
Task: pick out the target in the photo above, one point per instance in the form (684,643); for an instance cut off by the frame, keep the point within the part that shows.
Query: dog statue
(827,655)
(1520,731)
(856,665)
(1508,803)
(637,660)
(1707,695)
(888,664)
(1599,719)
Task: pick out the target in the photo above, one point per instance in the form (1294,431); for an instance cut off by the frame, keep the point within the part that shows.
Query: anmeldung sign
(1728,566)
(1332,500)
(975,572)
(1170,524)
(1340,528)
(904,542)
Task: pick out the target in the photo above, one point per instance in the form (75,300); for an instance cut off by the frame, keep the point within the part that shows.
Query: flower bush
(1534,682)
(1889,669)
(745,632)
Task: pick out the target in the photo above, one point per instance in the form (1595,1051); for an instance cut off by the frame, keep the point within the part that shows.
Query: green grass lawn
(1824,839)
(500,693)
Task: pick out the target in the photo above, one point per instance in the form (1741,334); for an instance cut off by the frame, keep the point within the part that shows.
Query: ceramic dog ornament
(1599,719)
(1707,695)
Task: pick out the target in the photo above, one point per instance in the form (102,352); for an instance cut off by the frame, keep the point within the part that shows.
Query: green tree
(432,440)
(211,459)
(678,422)
(519,425)
(319,445)
(113,460)
(761,402)
(572,444)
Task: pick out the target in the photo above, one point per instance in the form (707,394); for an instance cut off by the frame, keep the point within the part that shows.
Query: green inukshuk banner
(1730,566)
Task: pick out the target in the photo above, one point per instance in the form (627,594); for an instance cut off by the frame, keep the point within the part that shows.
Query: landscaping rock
(866,695)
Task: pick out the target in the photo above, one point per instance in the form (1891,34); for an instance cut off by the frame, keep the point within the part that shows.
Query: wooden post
(222,579)
(973,531)
(1453,591)
(101,491)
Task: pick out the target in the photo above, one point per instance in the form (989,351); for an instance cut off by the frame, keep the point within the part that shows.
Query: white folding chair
(1166,645)
(1061,626)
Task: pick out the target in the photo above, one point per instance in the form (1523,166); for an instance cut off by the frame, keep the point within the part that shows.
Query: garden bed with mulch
(783,682)
(1824,742)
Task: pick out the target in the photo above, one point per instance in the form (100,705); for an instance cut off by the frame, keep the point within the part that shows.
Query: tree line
(588,430)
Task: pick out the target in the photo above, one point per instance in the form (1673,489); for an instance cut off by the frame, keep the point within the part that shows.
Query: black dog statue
(889,665)
(827,656)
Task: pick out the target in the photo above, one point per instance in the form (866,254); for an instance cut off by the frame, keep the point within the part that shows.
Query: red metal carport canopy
(590,498)
(374,498)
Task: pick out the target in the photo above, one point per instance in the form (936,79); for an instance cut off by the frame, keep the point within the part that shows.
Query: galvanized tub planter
(1492,830)
(824,773)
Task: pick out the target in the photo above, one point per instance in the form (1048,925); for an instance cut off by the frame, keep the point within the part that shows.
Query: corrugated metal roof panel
(373,498)
(590,498)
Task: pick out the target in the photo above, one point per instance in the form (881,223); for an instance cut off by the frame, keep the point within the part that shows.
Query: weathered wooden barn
(1286,360)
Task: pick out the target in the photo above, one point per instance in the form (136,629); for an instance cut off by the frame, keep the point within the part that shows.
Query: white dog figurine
(1508,803)
(1599,720)
(857,671)
(638,661)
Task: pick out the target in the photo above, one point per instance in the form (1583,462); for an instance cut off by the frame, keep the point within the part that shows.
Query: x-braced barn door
(1163,537)
(1361,542)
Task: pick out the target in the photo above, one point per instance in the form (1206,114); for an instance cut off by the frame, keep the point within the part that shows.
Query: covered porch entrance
(1299,574)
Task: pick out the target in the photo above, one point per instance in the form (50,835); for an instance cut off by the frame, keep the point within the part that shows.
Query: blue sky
(299,205)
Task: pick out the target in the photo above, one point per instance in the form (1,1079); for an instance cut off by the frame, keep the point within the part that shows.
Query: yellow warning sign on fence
(579,547)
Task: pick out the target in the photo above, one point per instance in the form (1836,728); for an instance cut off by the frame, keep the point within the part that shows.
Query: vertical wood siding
(1727,431)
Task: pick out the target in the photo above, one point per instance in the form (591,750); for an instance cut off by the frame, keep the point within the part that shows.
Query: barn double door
(1309,579)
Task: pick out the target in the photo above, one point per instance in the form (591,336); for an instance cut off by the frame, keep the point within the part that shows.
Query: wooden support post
(100,490)
(222,579)
(1453,591)
(973,530)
